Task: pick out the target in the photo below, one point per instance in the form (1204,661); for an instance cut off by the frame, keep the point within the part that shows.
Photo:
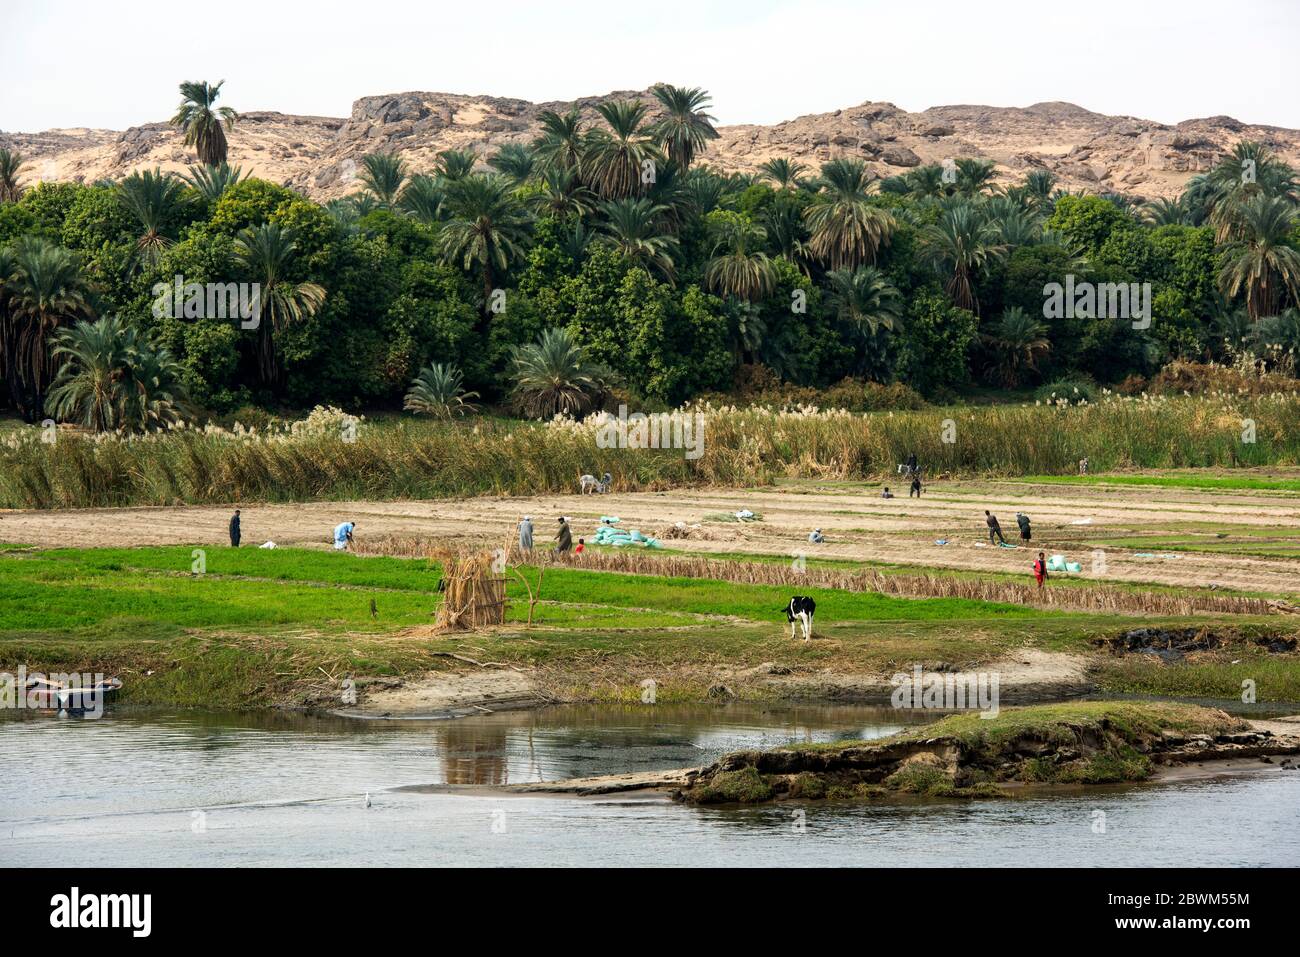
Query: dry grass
(474,592)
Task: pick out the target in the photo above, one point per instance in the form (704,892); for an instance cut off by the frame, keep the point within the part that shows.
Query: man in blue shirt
(343,535)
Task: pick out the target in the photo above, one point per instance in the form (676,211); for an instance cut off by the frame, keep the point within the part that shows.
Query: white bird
(367,799)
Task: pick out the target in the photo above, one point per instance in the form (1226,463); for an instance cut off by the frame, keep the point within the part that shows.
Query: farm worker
(916,487)
(816,537)
(886,493)
(582,544)
(234,529)
(563,538)
(911,464)
(1040,570)
(526,533)
(994,528)
(1023,521)
(343,535)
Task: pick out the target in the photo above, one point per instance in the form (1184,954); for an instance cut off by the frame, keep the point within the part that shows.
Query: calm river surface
(224,789)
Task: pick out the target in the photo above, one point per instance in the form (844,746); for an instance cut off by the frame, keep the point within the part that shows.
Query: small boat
(44,693)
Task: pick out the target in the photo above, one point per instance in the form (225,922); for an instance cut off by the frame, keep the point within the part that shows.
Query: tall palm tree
(383,175)
(705,191)
(437,391)
(562,140)
(926,182)
(455,165)
(45,290)
(1262,262)
(685,128)
(422,199)
(1252,170)
(784,172)
(846,228)
(11,167)
(961,244)
(554,377)
(1039,184)
(865,299)
(205,125)
(514,160)
(737,265)
(211,181)
(266,254)
(617,159)
(1017,343)
(631,231)
(155,199)
(486,227)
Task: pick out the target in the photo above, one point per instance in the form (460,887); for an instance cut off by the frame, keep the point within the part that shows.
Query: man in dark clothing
(916,487)
(234,529)
(563,538)
(911,464)
(994,528)
(1023,521)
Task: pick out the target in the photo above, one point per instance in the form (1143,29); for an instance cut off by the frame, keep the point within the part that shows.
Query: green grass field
(256,627)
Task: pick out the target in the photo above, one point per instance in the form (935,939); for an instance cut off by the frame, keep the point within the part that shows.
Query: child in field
(1040,570)
(916,487)
(582,544)
(886,493)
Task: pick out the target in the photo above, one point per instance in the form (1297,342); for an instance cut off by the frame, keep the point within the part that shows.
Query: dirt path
(858,525)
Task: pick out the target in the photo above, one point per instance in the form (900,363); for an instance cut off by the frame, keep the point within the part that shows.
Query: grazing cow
(801,609)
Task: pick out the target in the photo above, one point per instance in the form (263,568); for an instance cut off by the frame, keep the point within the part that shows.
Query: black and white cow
(801,610)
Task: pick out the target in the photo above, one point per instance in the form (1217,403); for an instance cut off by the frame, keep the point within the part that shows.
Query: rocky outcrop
(319,155)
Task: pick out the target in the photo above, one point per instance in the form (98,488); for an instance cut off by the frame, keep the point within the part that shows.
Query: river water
(202,789)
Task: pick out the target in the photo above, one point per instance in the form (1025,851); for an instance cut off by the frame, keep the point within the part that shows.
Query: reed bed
(474,593)
(1098,598)
(741,447)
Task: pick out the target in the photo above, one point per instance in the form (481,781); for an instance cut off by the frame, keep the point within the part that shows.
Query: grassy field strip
(1197,482)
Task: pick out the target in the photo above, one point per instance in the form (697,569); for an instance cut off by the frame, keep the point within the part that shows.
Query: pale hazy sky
(70,63)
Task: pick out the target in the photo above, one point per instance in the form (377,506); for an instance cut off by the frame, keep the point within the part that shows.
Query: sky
(70,63)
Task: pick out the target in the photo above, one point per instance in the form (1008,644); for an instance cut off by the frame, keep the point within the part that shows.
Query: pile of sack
(609,535)
(1057,563)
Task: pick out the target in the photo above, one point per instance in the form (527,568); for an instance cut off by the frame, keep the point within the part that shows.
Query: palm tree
(685,128)
(846,229)
(113,379)
(974,176)
(738,267)
(785,173)
(383,176)
(560,192)
(926,182)
(962,243)
(617,160)
(267,254)
(155,199)
(422,199)
(1167,212)
(1017,343)
(1261,262)
(46,289)
(11,168)
(554,377)
(211,181)
(1252,170)
(1039,184)
(562,141)
(486,226)
(437,391)
(455,165)
(514,160)
(205,126)
(705,191)
(865,299)
(630,230)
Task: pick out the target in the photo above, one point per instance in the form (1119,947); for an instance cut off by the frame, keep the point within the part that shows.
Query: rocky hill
(319,155)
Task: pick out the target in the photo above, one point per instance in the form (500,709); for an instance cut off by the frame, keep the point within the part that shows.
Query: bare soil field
(1244,540)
